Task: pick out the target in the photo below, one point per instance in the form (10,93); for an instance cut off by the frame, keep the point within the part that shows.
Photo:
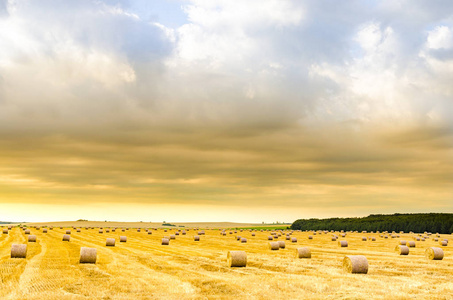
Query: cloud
(339,108)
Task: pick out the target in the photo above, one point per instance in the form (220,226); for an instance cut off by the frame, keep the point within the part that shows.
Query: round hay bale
(288,238)
(434,253)
(18,251)
(243,240)
(303,252)
(176,233)
(183,232)
(237,259)
(281,244)
(334,239)
(274,245)
(5,231)
(355,264)
(44,230)
(78,230)
(32,238)
(293,240)
(270,238)
(88,255)
(196,238)
(402,250)
(403,243)
(343,243)
(123,239)
(172,237)
(238,237)
(373,239)
(364,238)
(165,241)
(443,243)
(110,242)
(68,231)
(27,231)
(253,234)
(310,237)
(411,244)
(66,237)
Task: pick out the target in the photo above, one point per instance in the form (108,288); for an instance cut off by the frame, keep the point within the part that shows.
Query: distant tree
(441,222)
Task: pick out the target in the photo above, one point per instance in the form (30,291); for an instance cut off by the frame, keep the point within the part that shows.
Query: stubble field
(142,268)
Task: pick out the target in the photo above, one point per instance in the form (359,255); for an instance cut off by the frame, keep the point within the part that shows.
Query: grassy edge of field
(282,227)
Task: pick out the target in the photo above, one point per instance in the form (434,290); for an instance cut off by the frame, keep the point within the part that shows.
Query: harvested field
(144,269)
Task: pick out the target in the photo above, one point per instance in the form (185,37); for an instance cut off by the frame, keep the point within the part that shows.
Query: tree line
(431,222)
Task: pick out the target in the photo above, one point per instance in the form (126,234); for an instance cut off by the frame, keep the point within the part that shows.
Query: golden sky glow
(224,111)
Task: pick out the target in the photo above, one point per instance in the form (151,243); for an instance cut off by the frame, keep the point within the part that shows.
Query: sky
(220,110)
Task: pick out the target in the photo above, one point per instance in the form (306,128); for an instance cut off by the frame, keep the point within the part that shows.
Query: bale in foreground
(303,252)
(274,245)
(237,258)
(343,243)
(123,239)
(18,251)
(355,264)
(402,250)
(434,253)
(88,255)
(110,242)
(66,237)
